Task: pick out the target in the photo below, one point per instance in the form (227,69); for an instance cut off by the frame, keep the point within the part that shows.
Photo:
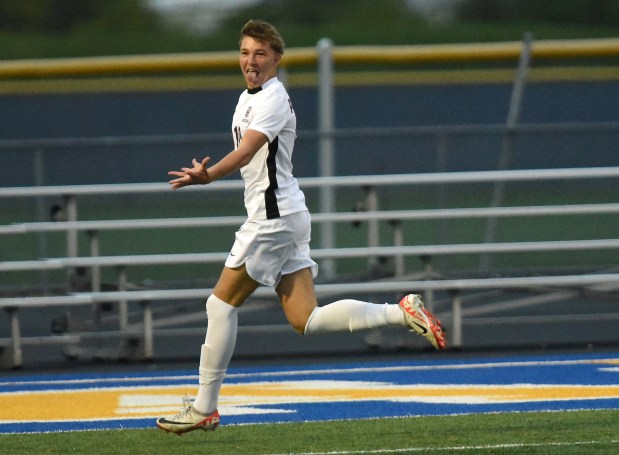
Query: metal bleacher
(400,281)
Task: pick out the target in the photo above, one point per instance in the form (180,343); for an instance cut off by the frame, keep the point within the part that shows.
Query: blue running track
(316,392)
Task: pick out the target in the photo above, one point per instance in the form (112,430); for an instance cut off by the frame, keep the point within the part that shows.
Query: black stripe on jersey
(270,199)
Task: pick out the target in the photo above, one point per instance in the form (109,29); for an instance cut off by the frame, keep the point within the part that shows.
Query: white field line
(456,448)
(453,366)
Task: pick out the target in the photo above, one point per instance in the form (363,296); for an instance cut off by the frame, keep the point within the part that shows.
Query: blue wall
(183,112)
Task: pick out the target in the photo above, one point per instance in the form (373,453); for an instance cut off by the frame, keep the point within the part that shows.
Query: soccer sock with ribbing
(216,352)
(352,315)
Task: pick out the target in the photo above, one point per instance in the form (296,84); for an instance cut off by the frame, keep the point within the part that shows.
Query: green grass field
(575,432)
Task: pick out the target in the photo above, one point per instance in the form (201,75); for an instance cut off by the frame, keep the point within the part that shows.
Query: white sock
(352,315)
(216,352)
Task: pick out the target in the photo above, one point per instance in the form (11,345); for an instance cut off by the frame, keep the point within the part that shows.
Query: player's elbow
(245,159)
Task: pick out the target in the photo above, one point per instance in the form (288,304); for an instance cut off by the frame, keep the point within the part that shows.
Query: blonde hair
(265,32)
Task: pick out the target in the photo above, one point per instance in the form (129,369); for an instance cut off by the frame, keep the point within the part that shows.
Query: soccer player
(272,246)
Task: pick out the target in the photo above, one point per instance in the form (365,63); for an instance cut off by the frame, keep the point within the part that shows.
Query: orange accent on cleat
(421,321)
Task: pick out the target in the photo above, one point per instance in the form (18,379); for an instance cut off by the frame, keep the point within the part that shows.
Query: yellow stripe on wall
(309,79)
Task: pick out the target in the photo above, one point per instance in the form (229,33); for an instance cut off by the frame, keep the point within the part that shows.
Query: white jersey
(271,190)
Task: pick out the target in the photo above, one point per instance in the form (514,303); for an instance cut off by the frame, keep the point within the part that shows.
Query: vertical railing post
(16,352)
(428,272)
(148,330)
(282,75)
(398,240)
(326,127)
(71,209)
(456,315)
(41,213)
(126,343)
(123,305)
(442,198)
(508,138)
(95,271)
(95,275)
(371,205)
(72,247)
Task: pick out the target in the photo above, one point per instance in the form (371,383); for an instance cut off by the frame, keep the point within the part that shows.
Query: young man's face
(258,62)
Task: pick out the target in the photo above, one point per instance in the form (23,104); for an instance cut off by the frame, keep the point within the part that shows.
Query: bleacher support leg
(148,330)
(16,352)
(456,314)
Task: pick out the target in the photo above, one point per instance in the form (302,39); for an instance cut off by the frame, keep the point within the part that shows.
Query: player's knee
(298,313)
(298,322)
(299,325)
(302,325)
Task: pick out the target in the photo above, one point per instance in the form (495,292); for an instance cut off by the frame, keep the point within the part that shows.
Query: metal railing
(341,55)
(324,56)
(148,331)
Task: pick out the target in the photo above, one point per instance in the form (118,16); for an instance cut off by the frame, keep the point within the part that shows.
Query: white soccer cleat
(189,419)
(421,321)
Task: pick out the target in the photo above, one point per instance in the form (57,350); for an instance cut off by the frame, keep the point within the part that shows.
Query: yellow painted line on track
(139,401)
(77,404)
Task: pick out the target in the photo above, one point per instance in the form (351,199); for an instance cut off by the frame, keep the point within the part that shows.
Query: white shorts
(272,248)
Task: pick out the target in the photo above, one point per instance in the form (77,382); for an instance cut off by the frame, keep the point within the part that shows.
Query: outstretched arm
(201,174)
